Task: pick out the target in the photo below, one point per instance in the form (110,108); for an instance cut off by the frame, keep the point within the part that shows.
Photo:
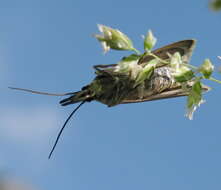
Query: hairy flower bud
(206,68)
(146,72)
(114,39)
(149,41)
(181,72)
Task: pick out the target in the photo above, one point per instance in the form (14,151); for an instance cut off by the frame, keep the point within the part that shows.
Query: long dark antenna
(60,132)
(43,93)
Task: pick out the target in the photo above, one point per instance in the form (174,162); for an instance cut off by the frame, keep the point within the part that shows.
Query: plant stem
(190,66)
(161,60)
(136,51)
(215,80)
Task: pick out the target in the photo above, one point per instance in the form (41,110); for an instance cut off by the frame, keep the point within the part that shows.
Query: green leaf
(146,72)
(132,57)
(194,99)
(128,65)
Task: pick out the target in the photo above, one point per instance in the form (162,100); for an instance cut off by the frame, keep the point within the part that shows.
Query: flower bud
(149,41)
(146,72)
(128,65)
(180,71)
(175,60)
(114,39)
(206,68)
(183,74)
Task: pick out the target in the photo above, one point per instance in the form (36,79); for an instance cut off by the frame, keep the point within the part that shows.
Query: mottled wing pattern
(185,48)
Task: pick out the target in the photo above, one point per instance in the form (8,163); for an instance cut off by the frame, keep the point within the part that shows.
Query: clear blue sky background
(48,45)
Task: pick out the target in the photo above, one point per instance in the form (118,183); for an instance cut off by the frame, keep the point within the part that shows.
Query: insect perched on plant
(153,75)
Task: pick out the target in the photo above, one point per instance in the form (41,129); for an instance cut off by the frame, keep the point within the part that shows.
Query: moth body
(112,87)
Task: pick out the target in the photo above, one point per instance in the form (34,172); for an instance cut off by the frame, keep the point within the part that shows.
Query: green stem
(156,57)
(190,66)
(136,51)
(215,80)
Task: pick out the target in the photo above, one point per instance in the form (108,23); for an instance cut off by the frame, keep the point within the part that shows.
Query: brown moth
(119,90)
(112,88)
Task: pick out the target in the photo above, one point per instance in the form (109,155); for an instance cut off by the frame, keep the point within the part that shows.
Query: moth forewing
(184,47)
(169,93)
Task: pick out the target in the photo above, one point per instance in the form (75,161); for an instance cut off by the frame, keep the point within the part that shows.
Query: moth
(112,88)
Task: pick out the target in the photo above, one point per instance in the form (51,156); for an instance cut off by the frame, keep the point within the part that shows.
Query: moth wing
(184,47)
(172,93)
(169,93)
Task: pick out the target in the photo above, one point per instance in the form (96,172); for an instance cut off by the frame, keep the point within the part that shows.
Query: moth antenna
(42,93)
(60,132)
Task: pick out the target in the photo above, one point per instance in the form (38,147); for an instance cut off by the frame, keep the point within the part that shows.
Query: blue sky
(48,45)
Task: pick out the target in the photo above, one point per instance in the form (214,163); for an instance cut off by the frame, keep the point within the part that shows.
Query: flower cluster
(183,73)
